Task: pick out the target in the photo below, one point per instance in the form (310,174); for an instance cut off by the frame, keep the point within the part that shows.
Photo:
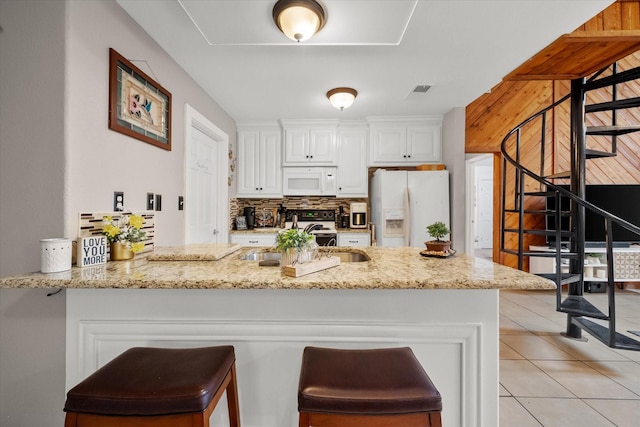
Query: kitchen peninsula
(445,309)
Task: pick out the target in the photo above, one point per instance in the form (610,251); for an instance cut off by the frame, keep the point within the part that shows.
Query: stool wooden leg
(70,419)
(232,399)
(303,420)
(435,419)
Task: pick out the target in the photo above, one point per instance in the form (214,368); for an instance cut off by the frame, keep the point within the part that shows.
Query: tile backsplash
(90,224)
(236,206)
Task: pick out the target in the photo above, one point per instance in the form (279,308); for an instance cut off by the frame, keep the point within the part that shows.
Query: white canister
(588,271)
(55,255)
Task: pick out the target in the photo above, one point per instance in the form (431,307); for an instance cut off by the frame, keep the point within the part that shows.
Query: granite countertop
(194,252)
(389,268)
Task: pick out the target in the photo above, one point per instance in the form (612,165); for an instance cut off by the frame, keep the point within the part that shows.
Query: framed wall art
(138,106)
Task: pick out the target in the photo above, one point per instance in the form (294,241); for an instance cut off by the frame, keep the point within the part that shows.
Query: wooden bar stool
(373,388)
(156,387)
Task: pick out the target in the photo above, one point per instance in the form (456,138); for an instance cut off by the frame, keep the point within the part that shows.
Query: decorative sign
(91,251)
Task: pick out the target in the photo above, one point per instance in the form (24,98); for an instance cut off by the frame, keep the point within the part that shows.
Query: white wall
(102,161)
(453,130)
(32,165)
(32,150)
(58,158)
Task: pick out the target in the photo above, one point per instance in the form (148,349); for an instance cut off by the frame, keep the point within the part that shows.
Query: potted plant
(438,230)
(291,242)
(124,235)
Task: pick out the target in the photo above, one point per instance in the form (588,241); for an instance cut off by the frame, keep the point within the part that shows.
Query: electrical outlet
(118,201)
(158,202)
(180,203)
(150,199)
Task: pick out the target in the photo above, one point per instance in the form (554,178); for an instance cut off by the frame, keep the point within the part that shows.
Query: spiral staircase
(532,195)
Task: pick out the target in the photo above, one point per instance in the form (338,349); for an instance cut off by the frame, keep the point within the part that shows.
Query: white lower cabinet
(254,239)
(354,239)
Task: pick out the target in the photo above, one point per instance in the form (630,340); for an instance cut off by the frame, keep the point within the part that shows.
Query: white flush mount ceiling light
(342,97)
(298,19)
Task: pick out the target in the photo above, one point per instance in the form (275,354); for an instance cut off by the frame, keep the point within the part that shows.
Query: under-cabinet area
(268,238)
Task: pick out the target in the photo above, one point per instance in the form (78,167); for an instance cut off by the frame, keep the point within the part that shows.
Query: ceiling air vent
(418,92)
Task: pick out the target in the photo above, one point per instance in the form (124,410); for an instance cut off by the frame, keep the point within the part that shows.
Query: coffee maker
(358,215)
(250,214)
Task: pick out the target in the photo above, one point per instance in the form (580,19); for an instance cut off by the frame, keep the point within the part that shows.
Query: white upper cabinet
(352,162)
(309,143)
(404,142)
(259,162)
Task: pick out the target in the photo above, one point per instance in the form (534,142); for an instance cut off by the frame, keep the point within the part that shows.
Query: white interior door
(473,165)
(484,207)
(207,203)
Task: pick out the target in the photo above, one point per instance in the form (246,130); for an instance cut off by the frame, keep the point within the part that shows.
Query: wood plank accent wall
(490,117)
(621,15)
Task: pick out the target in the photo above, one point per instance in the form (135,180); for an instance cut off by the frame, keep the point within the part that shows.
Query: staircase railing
(530,184)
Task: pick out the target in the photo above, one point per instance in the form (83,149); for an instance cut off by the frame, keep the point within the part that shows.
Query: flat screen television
(622,201)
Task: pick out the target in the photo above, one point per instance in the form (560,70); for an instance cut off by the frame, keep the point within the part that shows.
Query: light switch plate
(150,199)
(180,203)
(158,202)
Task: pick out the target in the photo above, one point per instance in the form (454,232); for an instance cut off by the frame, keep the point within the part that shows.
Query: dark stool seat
(149,385)
(365,387)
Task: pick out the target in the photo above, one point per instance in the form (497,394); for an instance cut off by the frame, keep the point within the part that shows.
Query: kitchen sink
(275,256)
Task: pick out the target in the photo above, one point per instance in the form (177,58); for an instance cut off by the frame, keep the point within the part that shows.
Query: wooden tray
(310,267)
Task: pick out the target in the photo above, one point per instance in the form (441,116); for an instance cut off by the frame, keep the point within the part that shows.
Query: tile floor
(552,381)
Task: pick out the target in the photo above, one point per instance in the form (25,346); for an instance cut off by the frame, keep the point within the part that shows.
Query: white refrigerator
(403,203)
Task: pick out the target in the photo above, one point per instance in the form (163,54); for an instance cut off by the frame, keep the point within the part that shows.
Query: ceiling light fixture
(298,19)
(342,97)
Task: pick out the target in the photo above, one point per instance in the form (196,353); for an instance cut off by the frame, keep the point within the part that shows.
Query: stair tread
(595,154)
(601,333)
(540,193)
(613,105)
(620,77)
(550,254)
(559,175)
(565,278)
(579,306)
(539,212)
(539,232)
(612,130)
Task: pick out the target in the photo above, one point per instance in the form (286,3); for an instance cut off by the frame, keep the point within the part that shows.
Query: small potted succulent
(290,243)
(438,230)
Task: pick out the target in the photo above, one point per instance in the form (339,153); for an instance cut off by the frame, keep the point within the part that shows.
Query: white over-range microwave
(315,181)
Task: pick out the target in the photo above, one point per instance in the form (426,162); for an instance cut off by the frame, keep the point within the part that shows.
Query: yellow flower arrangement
(125,229)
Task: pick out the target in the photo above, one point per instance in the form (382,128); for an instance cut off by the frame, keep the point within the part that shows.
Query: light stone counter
(194,252)
(389,268)
(445,309)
